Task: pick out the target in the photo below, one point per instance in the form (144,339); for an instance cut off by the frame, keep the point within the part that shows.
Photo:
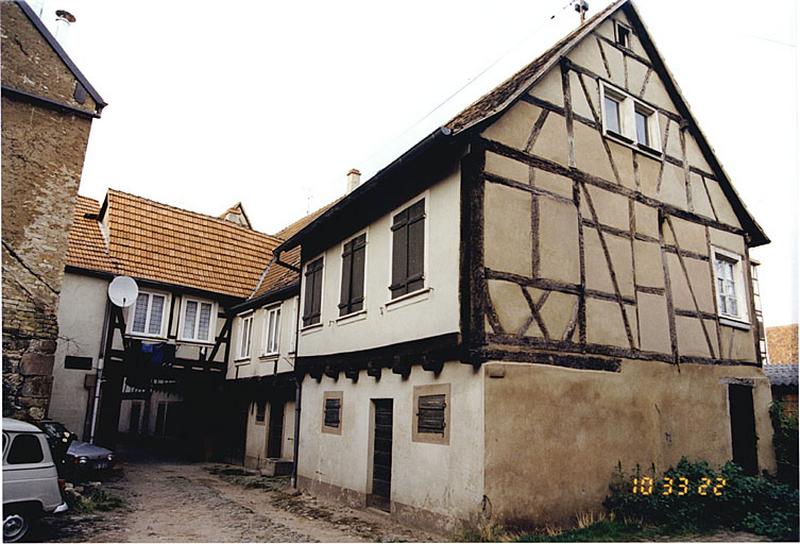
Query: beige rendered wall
(80,322)
(430,313)
(554,435)
(256,440)
(443,480)
(258,364)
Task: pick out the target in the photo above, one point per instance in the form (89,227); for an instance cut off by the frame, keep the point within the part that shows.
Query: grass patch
(93,499)
(607,531)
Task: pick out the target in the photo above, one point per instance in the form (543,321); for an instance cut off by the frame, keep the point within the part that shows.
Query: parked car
(81,457)
(31,487)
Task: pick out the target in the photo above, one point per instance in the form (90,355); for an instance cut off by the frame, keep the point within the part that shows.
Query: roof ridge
(303,218)
(200,214)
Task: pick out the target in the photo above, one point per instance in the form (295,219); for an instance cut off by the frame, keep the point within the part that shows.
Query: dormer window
(629,120)
(622,34)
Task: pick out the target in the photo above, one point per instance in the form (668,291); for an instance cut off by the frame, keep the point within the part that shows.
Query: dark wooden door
(275,430)
(743,427)
(136,414)
(382,455)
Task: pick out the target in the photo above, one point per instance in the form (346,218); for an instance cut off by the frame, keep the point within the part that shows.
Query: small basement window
(332,412)
(622,34)
(432,414)
(73,362)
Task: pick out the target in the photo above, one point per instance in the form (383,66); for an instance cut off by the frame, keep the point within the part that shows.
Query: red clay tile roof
(153,241)
(782,344)
(86,248)
(276,276)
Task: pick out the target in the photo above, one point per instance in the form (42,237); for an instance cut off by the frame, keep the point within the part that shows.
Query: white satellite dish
(123,291)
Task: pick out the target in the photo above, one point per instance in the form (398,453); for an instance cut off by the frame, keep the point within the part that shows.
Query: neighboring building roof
(781,374)
(275,276)
(152,241)
(504,95)
(53,42)
(87,248)
(782,344)
(239,216)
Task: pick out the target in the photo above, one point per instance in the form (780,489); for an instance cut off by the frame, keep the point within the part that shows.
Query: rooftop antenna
(581,6)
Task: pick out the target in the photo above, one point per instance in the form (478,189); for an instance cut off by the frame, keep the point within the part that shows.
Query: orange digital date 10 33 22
(680,486)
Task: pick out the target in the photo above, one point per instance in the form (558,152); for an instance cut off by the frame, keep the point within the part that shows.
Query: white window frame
(363,309)
(739,283)
(243,320)
(265,347)
(628,106)
(131,315)
(426,286)
(212,324)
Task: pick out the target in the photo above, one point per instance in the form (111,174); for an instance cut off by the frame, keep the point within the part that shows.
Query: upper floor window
(353,268)
(197,320)
(312,306)
(731,298)
(245,331)
(630,120)
(272,328)
(148,314)
(408,250)
(622,34)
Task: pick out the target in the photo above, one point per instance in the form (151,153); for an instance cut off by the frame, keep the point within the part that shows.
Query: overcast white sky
(270,103)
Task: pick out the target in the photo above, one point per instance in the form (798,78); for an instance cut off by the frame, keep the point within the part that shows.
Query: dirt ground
(179,502)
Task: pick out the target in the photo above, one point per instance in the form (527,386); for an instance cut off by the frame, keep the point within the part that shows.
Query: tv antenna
(123,291)
(581,6)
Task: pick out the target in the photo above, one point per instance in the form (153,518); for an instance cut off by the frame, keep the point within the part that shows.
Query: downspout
(298,394)
(99,374)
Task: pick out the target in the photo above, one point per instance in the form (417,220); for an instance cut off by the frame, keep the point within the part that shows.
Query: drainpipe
(298,395)
(99,375)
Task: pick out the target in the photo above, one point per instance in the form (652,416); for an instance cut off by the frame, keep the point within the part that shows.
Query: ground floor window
(431,419)
(332,412)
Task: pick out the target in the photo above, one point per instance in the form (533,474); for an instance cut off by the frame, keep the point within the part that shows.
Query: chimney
(353,179)
(63,20)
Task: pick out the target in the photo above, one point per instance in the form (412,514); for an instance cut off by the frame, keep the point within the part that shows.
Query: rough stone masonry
(47,114)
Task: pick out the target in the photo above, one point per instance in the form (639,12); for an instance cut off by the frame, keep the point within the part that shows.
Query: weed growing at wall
(698,497)
(785,440)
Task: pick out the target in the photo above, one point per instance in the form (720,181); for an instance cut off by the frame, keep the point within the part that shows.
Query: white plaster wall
(80,322)
(257,364)
(256,440)
(431,314)
(445,479)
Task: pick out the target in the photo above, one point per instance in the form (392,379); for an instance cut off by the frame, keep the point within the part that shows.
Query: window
(272,329)
(332,412)
(245,331)
(628,119)
(408,250)
(353,266)
(431,414)
(261,411)
(26,448)
(72,362)
(622,34)
(313,294)
(198,320)
(731,298)
(148,314)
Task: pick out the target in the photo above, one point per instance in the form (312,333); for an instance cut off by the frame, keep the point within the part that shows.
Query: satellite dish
(123,291)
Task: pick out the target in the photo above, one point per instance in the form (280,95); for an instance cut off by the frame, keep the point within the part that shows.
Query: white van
(30,481)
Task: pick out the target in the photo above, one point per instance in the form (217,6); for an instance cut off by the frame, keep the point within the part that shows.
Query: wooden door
(275,430)
(743,427)
(382,455)
(135,416)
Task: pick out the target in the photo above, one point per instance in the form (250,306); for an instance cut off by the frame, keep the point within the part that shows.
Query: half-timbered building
(553,284)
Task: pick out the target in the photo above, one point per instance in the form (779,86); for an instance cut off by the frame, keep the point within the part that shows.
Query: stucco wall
(257,364)
(256,440)
(80,320)
(554,435)
(429,314)
(444,479)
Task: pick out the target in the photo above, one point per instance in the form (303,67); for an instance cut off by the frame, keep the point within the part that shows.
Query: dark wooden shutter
(333,409)
(353,261)
(313,293)
(430,414)
(347,273)
(408,250)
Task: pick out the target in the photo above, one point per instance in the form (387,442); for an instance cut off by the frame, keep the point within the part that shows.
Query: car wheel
(16,525)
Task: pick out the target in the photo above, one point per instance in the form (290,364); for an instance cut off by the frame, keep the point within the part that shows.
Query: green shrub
(756,504)
(785,441)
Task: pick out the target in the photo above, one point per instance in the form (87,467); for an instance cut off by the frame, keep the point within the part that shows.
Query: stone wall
(42,158)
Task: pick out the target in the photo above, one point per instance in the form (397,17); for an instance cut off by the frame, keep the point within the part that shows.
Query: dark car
(75,455)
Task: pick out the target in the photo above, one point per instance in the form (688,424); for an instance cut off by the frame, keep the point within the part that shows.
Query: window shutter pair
(408,250)
(353,261)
